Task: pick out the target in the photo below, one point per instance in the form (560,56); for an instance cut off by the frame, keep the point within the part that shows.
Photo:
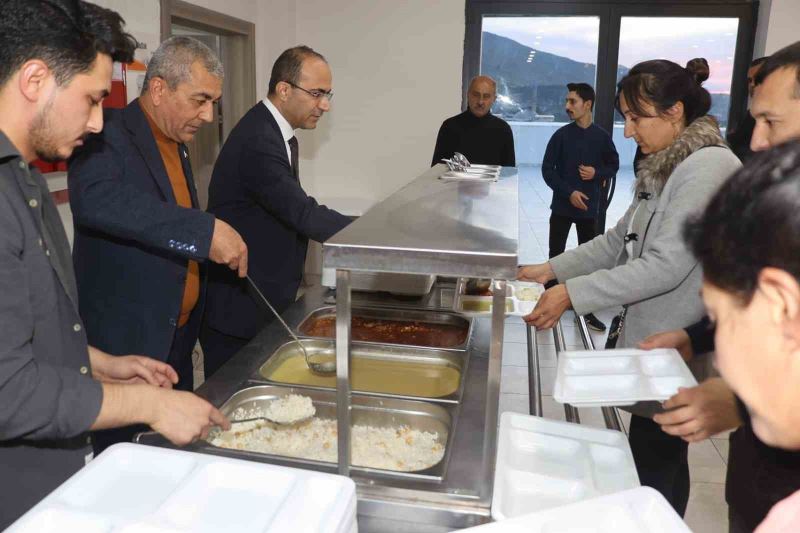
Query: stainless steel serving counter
(385,503)
(430,226)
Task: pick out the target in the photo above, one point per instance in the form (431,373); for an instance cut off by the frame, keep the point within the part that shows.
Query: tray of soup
(376,369)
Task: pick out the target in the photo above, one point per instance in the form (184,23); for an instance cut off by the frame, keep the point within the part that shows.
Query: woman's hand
(131,369)
(541,273)
(551,306)
(676,338)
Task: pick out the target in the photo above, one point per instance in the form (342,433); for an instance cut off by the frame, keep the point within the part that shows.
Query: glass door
(532,59)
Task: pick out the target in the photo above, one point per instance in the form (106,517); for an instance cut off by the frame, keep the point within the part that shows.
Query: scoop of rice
(290,408)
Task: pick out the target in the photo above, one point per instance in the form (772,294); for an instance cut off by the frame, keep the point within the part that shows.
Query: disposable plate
(131,488)
(521,298)
(638,510)
(543,463)
(619,377)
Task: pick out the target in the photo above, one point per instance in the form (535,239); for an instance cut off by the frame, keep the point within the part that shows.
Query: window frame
(610,14)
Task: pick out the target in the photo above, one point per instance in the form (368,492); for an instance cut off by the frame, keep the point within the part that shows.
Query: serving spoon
(325,368)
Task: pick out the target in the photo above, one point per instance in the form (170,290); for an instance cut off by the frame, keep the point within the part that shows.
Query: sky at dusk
(641,38)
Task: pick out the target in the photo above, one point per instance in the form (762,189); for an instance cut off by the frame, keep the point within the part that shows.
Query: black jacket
(132,240)
(254,190)
(569,147)
(487,140)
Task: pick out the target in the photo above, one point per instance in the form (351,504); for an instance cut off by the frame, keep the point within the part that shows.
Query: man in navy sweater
(579,158)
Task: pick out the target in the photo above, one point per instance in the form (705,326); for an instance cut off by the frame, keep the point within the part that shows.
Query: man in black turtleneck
(482,137)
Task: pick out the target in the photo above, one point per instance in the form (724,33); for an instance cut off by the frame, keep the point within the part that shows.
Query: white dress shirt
(283,124)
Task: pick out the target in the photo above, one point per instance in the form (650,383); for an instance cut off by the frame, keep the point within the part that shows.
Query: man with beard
(579,158)
(482,137)
(141,241)
(55,70)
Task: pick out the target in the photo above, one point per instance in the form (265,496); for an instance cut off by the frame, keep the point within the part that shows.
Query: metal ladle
(325,368)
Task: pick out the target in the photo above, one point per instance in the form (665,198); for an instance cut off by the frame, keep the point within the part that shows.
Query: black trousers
(735,522)
(180,359)
(218,348)
(559,231)
(662,461)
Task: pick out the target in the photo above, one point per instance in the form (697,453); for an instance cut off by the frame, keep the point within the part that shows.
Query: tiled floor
(707,511)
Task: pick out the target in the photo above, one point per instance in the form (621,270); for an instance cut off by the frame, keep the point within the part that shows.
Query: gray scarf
(655,169)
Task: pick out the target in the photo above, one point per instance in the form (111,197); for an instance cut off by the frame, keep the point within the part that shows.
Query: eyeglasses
(315,93)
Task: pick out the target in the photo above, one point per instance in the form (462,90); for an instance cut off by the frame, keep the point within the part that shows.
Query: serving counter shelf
(431,226)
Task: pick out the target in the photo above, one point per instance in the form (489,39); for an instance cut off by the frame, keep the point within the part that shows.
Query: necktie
(294,149)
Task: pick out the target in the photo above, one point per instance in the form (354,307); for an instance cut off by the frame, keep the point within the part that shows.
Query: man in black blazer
(255,187)
(140,240)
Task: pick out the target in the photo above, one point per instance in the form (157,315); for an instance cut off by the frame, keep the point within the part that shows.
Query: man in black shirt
(758,475)
(482,137)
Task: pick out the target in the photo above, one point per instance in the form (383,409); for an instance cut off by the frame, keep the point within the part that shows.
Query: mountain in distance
(536,90)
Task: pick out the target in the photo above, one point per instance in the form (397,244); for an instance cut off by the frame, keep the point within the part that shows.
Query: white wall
(777,26)
(396,76)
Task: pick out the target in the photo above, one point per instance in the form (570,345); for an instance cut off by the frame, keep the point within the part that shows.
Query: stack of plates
(640,510)
(131,488)
(543,464)
(473,173)
(619,377)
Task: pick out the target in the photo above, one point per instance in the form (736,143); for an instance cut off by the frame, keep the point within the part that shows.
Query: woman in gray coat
(643,264)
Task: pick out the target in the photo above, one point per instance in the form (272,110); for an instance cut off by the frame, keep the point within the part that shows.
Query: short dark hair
(757,61)
(752,222)
(662,84)
(289,64)
(584,90)
(788,57)
(66,34)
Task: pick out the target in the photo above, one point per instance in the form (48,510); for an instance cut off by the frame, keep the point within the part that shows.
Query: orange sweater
(172,162)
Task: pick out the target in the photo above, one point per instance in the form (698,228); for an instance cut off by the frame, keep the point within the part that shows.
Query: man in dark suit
(255,187)
(140,240)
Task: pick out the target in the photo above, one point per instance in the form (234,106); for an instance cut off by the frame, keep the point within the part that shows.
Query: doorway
(233,40)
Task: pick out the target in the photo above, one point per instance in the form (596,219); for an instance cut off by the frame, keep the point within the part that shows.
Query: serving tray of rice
(394,435)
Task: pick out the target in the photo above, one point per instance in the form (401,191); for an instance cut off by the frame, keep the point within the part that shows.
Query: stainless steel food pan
(400,315)
(429,365)
(371,411)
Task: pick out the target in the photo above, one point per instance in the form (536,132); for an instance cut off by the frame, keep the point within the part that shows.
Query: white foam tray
(639,510)
(619,377)
(543,464)
(132,488)
(518,307)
